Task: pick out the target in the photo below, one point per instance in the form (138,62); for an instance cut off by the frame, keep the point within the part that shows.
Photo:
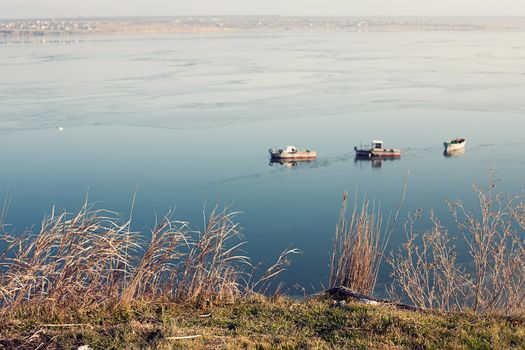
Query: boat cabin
(457,141)
(290,149)
(377,150)
(377,144)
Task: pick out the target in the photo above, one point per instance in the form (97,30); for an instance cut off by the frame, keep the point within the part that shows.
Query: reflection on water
(376,162)
(454,153)
(289,163)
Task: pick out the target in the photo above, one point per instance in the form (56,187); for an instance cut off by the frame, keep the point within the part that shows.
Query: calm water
(188,119)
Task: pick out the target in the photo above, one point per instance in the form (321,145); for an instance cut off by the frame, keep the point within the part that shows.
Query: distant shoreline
(24,28)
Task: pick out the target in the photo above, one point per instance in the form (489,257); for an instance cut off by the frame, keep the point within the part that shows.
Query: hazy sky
(68,8)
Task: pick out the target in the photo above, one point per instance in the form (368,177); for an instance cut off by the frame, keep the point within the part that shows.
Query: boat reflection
(375,162)
(288,163)
(454,153)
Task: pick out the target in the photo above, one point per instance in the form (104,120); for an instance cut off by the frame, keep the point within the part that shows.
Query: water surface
(188,121)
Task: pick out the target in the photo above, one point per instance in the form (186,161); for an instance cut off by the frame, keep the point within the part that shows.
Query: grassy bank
(256,323)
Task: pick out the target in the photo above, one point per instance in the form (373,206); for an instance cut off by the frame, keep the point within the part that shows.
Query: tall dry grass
(360,243)
(357,246)
(427,272)
(93,257)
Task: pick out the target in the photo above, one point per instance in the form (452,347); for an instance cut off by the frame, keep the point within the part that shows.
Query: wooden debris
(184,337)
(345,293)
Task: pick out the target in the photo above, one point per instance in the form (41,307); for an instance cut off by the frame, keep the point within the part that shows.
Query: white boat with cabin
(377,150)
(291,152)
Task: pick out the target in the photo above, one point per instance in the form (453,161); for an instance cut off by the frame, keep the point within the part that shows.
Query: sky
(88,8)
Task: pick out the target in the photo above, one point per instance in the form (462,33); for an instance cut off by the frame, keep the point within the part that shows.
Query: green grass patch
(258,323)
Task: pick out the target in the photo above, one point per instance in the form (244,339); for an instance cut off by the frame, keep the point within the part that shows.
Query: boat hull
(306,155)
(362,153)
(387,154)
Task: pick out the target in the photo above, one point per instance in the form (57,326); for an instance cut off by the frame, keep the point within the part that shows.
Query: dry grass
(258,323)
(426,270)
(82,258)
(359,244)
(427,273)
(357,247)
(93,258)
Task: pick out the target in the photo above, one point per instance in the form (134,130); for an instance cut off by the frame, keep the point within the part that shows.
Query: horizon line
(521,16)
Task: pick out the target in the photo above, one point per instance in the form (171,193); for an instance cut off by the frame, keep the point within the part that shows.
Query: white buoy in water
(60,128)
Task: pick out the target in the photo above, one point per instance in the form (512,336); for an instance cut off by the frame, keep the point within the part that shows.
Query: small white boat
(291,152)
(455,145)
(377,150)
